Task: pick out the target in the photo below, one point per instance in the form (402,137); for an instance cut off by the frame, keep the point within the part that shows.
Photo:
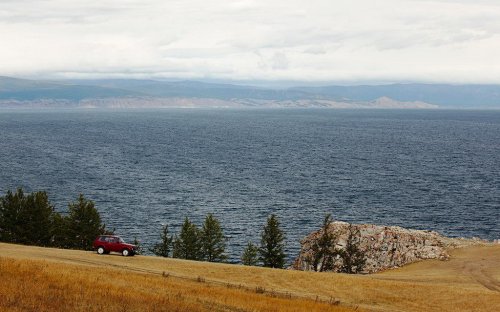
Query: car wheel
(100,250)
(125,252)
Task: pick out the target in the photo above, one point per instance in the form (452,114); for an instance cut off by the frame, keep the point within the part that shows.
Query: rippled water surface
(436,170)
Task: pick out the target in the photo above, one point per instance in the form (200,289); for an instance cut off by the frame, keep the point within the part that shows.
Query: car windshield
(120,240)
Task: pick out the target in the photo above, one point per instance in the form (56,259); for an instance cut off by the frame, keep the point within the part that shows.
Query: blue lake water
(437,170)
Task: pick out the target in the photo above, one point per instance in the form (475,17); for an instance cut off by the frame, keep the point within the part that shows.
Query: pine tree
(60,234)
(250,255)
(164,247)
(38,220)
(323,249)
(353,259)
(187,244)
(11,206)
(271,246)
(213,242)
(84,224)
(26,219)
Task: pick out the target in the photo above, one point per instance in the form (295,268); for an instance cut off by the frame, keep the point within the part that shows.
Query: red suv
(104,244)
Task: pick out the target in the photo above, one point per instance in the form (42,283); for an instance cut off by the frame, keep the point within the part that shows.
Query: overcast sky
(354,41)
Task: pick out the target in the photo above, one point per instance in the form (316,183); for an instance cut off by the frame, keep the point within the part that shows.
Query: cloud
(321,40)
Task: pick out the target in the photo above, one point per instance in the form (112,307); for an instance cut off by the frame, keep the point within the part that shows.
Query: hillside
(78,280)
(33,90)
(453,96)
(15,93)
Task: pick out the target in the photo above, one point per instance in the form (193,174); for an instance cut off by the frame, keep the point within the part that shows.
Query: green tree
(271,244)
(84,224)
(187,245)
(137,243)
(250,255)
(11,206)
(323,249)
(213,242)
(353,259)
(60,234)
(164,247)
(38,219)
(26,219)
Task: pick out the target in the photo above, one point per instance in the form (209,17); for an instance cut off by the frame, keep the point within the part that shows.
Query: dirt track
(477,271)
(480,264)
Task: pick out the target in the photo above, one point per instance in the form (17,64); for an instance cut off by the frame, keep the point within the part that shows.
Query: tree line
(208,243)
(30,219)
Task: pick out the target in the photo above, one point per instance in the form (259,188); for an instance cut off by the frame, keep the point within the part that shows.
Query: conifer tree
(271,245)
(60,236)
(26,219)
(353,259)
(11,206)
(213,242)
(187,244)
(250,255)
(38,220)
(164,247)
(84,224)
(323,249)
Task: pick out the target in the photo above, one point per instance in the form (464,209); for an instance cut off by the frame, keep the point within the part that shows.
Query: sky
(352,41)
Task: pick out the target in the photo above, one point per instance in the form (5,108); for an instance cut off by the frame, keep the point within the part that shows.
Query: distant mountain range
(16,93)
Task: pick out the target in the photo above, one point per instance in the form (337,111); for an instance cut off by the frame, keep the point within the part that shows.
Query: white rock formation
(385,246)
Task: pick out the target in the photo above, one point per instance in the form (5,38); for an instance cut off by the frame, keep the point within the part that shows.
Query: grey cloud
(279,61)
(324,40)
(315,50)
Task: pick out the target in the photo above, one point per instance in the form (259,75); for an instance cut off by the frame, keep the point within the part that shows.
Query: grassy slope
(469,281)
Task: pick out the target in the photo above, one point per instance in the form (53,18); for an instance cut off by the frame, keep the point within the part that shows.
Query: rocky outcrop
(384,247)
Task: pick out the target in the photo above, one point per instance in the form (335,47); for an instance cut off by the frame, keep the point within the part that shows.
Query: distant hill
(463,96)
(198,89)
(154,93)
(28,90)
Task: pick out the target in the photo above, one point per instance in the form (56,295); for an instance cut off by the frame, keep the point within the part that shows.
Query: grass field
(44,279)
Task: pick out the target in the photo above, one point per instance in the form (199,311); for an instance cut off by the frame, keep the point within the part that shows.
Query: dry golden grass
(38,285)
(468,282)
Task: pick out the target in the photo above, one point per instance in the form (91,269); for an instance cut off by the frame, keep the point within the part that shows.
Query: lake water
(437,170)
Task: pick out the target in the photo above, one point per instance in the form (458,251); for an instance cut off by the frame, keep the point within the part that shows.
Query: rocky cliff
(384,247)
